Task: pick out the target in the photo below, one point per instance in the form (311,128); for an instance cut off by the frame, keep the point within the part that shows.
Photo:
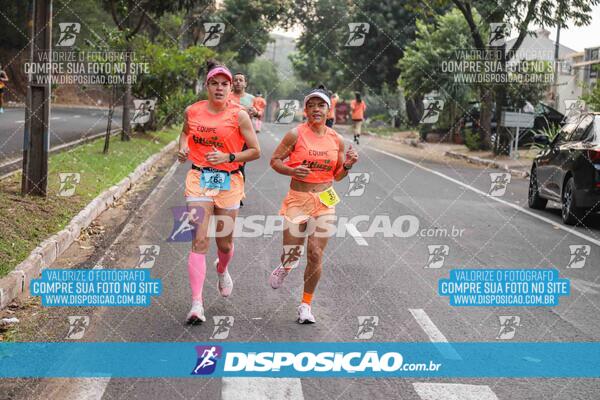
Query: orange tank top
(221,131)
(319,153)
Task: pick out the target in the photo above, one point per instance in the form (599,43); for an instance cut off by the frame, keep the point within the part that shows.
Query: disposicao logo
(328,361)
(207,359)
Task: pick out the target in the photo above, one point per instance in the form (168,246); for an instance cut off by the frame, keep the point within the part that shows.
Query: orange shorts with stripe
(228,199)
(299,207)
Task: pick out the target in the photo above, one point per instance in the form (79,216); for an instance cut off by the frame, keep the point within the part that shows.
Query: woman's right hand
(301,171)
(182,154)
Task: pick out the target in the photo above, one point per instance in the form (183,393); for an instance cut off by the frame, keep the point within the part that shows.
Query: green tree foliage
(592,98)
(171,79)
(423,63)
(323,56)
(247,26)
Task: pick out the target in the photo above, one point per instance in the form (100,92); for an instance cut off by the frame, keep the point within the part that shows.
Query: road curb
(16,283)
(487,163)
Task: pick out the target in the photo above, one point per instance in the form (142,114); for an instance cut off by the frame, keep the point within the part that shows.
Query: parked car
(545,117)
(567,170)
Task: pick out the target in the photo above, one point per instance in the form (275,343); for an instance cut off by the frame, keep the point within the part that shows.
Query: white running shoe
(277,277)
(225,282)
(196,314)
(305,315)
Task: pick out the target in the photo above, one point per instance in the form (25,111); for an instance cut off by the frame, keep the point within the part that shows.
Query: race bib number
(215,180)
(329,197)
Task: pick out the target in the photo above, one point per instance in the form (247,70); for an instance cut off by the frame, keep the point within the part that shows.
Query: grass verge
(25,221)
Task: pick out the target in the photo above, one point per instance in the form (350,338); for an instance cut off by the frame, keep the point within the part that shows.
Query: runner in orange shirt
(259,104)
(331,115)
(357,108)
(213,138)
(3,79)
(313,155)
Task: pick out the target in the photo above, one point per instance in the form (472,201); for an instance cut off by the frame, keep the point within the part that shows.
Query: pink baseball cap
(219,70)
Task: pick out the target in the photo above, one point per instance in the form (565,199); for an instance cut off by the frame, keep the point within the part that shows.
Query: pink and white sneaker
(225,282)
(277,277)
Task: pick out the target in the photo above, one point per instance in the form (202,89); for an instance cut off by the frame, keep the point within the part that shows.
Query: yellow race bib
(329,197)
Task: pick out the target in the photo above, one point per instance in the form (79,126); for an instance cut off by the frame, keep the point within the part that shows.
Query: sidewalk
(407,143)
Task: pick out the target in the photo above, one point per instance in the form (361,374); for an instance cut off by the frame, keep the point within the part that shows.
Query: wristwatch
(347,168)
(231,157)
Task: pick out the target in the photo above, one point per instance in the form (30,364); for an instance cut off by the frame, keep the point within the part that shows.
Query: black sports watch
(347,168)
(231,157)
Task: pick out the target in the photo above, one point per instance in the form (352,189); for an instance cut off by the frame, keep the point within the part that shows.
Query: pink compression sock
(197,273)
(224,259)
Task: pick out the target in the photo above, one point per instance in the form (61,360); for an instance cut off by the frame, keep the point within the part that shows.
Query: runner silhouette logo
(358,183)
(497,34)
(212,33)
(366,326)
(77,326)
(358,33)
(68,183)
(287,111)
(432,109)
(499,183)
(579,254)
(573,109)
(68,33)
(148,254)
(207,359)
(437,255)
(184,221)
(223,324)
(508,326)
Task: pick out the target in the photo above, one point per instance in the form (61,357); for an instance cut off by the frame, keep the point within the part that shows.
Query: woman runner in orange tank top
(314,156)
(214,134)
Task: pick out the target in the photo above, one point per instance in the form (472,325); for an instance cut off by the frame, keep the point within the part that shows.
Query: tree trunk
(126,132)
(485,117)
(414,109)
(111,110)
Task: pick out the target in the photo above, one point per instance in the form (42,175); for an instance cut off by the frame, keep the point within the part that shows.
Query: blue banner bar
(298,359)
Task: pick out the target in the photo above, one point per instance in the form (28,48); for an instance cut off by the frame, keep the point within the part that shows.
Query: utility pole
(36,141)
(555,83)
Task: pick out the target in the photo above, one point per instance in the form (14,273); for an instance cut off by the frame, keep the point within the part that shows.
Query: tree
(422,65)
(592,98)
(323,54)
(518,15)
(129,16)
(247,26)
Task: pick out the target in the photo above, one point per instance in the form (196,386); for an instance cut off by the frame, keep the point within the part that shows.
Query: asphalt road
(66,125)
(363,276)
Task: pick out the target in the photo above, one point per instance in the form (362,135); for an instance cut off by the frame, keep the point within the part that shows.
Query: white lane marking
(76,116)
(261,389)
(434,334)
(585,286)
(130,225)
(54,118)
(353,231)
(453,391)
(74,388)
(19,121)
(90,388)
(516,207)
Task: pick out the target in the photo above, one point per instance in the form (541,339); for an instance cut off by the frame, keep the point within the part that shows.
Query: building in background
(577,73)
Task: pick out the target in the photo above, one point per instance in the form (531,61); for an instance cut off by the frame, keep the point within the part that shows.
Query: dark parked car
(567,170)
(545,117)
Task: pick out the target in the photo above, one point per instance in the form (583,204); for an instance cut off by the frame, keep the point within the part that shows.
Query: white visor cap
(319,94)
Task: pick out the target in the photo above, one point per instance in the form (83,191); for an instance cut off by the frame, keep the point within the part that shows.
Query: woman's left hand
(351,156)
(216,157)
